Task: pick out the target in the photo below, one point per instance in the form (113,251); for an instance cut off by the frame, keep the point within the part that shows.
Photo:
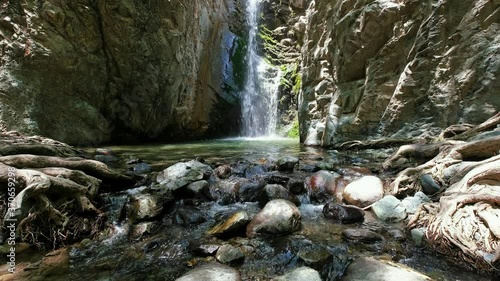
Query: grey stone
(182,174)
(278,217)
(228,254)
(389,209)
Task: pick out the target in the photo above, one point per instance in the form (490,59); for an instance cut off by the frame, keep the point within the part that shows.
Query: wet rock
(287,163)
(322,186)
(303,273)
(364,191)
(182,174)
(343,213)
(206,249)
(104,151)
(296,186)
(142,229)
(197,188)
(361,235)
(314,258)
(148,205)
(229,254)
(106,158)
(418,236)
(370,269)
(234,225)
(225,191)
(275,191)
(337,263)
(256,170)
(223,172)
(278,179)
(412,203)
(429,185)
(141,168)
(249,190)
(211,272)
(278,217)
(389,209)
(310,168)
(188,215)
(396,234)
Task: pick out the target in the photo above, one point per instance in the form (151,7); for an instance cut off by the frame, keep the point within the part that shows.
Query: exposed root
(465,224)
(53,203)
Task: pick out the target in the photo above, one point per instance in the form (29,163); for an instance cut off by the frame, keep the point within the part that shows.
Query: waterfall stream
(260,93)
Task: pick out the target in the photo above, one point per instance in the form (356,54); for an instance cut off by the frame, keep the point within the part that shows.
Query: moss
(294,131)
(238,59)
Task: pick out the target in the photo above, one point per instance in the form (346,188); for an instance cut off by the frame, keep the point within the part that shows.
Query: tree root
(90,167)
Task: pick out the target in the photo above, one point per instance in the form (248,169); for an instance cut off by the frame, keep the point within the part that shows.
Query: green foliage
(238,59)
(294,131)
(291,77)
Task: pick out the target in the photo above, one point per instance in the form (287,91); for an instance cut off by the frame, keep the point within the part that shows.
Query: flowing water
(167,253)
(259,96)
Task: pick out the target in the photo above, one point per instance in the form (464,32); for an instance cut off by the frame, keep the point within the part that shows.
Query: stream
(167,252)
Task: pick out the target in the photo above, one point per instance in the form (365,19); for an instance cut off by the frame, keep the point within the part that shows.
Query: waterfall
(260,93)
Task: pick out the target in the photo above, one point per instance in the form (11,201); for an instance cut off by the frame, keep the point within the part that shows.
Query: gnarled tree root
(50,208)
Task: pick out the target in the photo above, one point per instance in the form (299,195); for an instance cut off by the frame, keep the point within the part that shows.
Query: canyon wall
(397,68)
(87,72)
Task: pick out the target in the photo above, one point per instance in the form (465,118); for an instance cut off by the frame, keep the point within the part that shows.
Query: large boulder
(183,173)
(211,272)
(278,217)
(364,191)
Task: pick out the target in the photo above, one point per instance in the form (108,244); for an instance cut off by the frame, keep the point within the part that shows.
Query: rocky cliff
(87,72)
(397,68)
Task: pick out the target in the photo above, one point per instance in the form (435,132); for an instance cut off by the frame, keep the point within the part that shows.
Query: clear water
(222,150)
(260,94)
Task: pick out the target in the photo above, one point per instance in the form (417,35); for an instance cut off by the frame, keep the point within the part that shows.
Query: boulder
(343,213)
(275,191)
(389,209)
(183,173)
(364,191)
(211,272)
(278,217)
(303,273)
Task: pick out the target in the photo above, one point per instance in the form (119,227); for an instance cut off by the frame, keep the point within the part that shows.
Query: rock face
(87,72)
(400,68)
(279,217)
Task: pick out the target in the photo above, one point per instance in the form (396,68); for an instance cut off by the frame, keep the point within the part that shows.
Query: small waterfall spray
(260,95)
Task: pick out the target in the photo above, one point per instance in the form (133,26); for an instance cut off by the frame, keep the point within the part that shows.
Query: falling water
(260,95)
